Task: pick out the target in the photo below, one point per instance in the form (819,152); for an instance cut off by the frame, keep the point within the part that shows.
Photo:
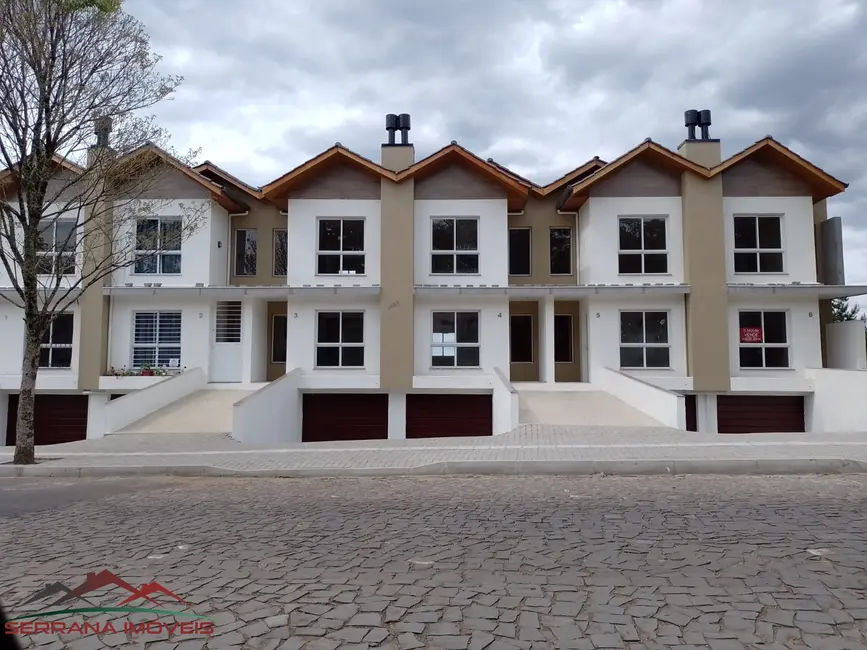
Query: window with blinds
(156,339)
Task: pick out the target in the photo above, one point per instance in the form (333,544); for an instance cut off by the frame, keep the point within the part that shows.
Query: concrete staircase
(206,411)
(584,407)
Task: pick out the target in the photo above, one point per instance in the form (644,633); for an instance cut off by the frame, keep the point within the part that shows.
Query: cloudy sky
(539,85)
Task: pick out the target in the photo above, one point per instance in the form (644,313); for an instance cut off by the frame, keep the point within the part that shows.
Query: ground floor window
(644,341)
(156,339)
(762,339)
(278,338)
(340,339)
(455,339)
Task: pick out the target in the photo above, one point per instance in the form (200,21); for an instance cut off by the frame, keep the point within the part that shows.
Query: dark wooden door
(760,413)
(57,419)
(329,417)
(691,413)
(446,416)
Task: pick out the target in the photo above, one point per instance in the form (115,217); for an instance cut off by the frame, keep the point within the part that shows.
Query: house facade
(416,298)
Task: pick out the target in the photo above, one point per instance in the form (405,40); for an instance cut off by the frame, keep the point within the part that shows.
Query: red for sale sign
(751,335)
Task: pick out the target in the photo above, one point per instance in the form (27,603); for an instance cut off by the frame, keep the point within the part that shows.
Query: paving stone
(409,641)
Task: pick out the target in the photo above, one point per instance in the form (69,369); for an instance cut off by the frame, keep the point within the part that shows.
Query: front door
(226,358)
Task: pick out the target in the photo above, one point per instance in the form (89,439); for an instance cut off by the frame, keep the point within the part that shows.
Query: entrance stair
(578,404)
(205,411)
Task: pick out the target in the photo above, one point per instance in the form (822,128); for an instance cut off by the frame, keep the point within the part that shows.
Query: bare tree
(75,209)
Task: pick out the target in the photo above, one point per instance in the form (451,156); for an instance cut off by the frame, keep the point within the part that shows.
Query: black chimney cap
(404,121)
(704,118)
(391,122)
(690,118)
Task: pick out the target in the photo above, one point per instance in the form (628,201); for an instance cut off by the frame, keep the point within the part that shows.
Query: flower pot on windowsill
(146,373)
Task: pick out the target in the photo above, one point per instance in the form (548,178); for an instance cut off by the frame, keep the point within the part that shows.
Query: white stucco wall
(12,353)
(220,246)
(601,330)
(838,404)
(493,240)
(802,331)
(303,239)
(799,253)
(301,334)
(196,250)
(599,238)
(196,328)
(493,333)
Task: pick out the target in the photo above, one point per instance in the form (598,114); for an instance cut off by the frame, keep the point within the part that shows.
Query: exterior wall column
(546,340)
(397,416)
(254,340)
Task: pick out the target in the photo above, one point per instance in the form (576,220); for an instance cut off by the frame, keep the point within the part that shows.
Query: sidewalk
(531,449)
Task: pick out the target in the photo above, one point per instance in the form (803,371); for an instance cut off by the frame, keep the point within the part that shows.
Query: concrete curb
(740,467)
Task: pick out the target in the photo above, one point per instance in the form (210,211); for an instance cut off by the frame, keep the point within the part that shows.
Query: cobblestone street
(455,563)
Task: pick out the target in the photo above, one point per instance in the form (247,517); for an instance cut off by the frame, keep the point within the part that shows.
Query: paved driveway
(546,562)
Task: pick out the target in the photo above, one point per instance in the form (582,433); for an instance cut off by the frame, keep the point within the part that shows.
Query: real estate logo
(161,601)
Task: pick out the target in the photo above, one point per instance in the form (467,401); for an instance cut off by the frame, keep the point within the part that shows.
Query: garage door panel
(329,417)
(760,414)
(57,419)
(448,416)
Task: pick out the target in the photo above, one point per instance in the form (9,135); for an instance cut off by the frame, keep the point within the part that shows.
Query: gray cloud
(541,86)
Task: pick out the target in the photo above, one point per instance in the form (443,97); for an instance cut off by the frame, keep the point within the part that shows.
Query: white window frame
(340,253)
(571,338)
(51,346)
(156,345)
(274,318)
(158,254)
(788,345)
(340,345)
(572,264)
(644,345)
(454,252)
(455,344)
(530,253)
(235,270)
(756,251)
(532,338)
(56,255)
(274,238)
(642,252)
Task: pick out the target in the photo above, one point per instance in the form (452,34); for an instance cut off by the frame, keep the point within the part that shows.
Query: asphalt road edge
(771,466)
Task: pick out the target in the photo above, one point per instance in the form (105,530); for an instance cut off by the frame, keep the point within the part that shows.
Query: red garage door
(760,413)
(57,419)
(339,416)
(446,416)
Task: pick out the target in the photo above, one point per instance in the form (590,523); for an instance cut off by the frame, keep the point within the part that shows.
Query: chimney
(703,150)
(102,128)
(397,156)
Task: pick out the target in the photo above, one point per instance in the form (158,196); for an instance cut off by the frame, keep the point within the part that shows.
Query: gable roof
(217,192)
(576,175)
(222,174)
(59,161)
(768,150)
(575,195)
(517,188)
(332,156)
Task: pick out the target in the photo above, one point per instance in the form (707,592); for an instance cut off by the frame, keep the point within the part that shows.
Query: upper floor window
(281,252)
(55,351)
(340,247)
(340,339)
(561,251)
(156,339)
(158,246)
(758,244)
(55,254)
(643,247)
(762,340)
(454,246)
(519,251)
(455,339)
(246,243)
(644,339)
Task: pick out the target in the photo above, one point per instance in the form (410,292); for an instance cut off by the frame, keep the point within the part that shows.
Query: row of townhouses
(449,296)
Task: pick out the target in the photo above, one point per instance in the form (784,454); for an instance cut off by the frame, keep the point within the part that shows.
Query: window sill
(788,369)
(563,363)
(452,275)
(334,275)
(638,275)
(455,368)
(353,368)
(562,275)
(161,275)
(752,273)
(666,369)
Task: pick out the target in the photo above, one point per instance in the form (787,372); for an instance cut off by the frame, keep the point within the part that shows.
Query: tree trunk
(25,440)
